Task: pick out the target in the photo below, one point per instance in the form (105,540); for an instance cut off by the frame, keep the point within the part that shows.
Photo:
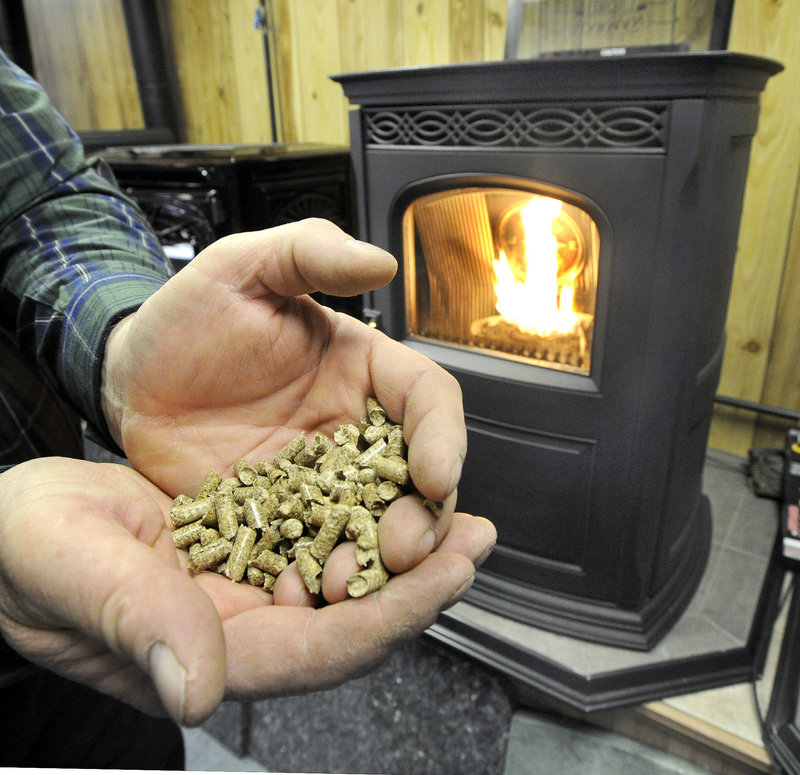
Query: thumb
(297,258)
(160,619)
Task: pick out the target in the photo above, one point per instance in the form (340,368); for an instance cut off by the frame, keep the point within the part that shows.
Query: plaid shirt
(75,257)
(75,254)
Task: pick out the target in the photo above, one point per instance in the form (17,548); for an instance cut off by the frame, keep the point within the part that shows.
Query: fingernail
(461,591)
(366,247)
(484,554)
(169,678)
(455,474)
(427,542)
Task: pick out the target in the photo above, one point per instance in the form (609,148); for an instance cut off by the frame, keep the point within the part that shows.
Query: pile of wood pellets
(299,506)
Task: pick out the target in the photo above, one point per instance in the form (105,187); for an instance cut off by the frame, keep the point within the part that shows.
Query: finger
(340,566)
(158,618)
(228,597)
(427,400)
(474,537)
(290,589)
(286,650)
(470,536)
(297,258)
(408,531)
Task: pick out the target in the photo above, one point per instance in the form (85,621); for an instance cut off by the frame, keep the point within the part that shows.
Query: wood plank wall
(81,56)
(222,70)
(762,358)
(221,62)
(319,38)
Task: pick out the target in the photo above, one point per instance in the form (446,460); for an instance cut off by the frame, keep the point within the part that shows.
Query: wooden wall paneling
(216,46)
(371,34)
(310,48)
(319,38)
(766,29)
(59,60)
(321,105)
(426,32)
(101,27)
(197,52)
(782,383)
(82,59)
(249,74)
(466,30)
(285,78)
(494,35)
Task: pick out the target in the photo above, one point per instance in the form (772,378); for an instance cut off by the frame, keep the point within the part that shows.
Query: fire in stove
(505,271)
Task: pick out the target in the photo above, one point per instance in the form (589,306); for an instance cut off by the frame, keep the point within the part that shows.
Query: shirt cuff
(91,316)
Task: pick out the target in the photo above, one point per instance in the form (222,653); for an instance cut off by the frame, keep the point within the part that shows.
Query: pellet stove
(566,230)
(195,194)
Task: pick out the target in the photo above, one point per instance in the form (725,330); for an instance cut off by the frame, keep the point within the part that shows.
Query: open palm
(92,588)
(230,359)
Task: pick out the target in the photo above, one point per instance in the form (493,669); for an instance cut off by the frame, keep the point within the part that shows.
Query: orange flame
(536,304)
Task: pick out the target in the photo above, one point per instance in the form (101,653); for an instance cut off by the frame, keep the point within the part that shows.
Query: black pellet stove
(566,230)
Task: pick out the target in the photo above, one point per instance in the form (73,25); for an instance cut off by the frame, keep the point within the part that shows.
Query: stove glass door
(505,271)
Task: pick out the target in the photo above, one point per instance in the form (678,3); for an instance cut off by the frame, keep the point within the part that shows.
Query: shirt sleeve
(76,255)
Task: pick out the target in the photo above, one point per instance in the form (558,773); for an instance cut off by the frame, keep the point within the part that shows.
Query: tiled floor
(545,745)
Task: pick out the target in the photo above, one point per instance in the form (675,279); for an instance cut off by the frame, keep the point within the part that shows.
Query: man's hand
(231,359)
(91,587)
(281,644)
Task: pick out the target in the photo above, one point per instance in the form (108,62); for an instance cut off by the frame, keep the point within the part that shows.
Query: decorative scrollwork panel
(539,126)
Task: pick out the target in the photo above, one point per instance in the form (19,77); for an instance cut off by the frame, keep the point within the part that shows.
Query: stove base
(598,621)
(719,639)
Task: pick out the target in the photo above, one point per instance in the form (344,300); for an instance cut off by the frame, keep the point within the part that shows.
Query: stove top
(227,153)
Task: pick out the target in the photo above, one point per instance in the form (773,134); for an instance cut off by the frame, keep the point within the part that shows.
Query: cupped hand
(231,359)
(92,587)
(285,644)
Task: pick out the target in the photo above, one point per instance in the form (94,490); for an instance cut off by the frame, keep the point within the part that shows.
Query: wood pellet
(299,506)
